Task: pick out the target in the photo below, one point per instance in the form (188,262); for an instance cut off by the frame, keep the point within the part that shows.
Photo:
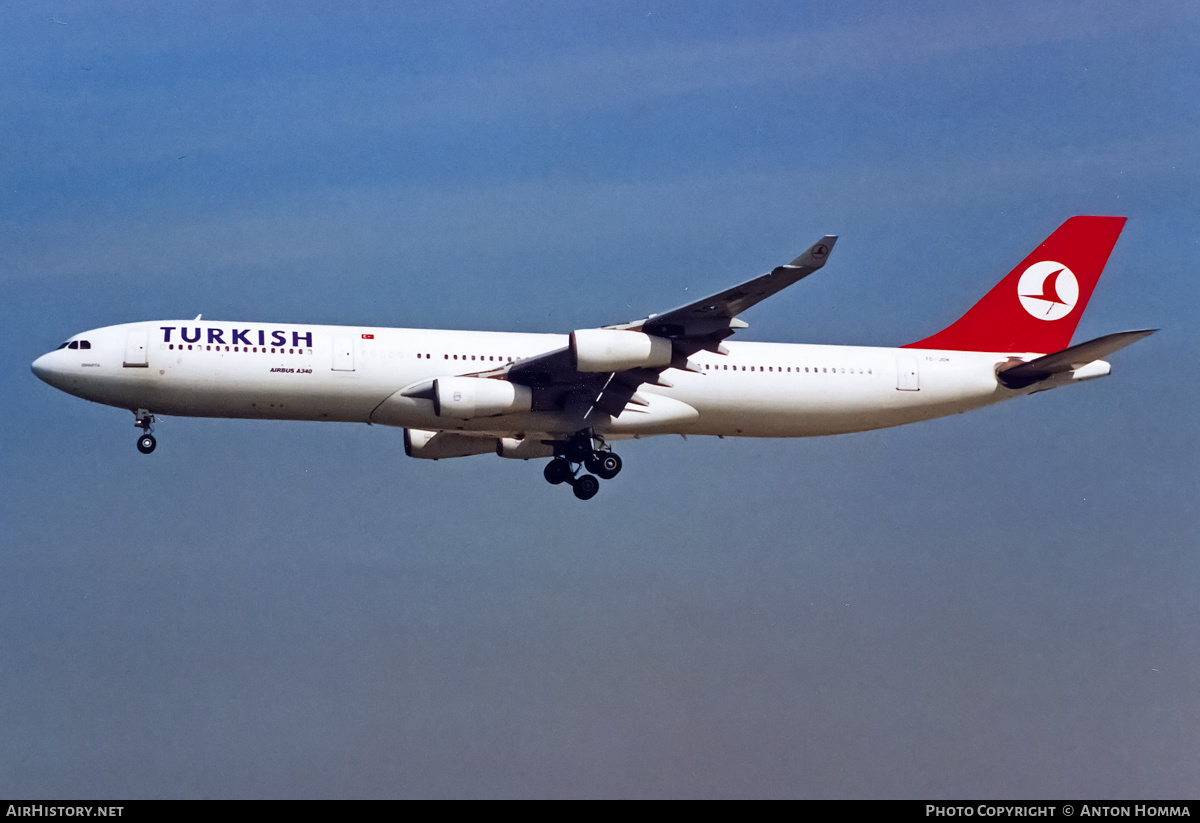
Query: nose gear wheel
(145,422)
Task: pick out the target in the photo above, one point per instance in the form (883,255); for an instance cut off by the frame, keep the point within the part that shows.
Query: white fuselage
(356,374)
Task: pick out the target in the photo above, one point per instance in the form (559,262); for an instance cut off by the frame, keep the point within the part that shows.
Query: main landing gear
(145,422)
(579,453)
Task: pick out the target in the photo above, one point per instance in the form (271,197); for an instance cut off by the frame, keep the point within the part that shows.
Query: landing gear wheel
(607,465)
(557,471)
(586,486)
(146,443)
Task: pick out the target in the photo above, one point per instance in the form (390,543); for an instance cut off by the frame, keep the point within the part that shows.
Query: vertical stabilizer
(1038,305)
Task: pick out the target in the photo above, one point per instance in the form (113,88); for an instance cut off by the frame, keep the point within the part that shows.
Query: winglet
(816,256)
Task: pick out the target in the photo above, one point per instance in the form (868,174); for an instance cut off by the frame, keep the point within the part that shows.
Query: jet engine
(608,350)
(465,398)
(524,448)
(428,445)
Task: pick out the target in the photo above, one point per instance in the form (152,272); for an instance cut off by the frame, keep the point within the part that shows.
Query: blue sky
(1001,604)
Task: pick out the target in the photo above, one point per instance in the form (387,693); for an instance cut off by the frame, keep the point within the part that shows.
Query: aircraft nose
(43,369)
(39,367)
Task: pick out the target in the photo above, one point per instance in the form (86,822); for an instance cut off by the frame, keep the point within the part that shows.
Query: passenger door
(135,349)
(343,354)
(908,374)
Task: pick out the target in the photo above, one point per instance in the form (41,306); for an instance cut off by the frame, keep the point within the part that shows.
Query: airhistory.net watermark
(44,810)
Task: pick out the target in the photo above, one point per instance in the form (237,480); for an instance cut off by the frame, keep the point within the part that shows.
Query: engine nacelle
(428,445)
(607,350)
(523,449)
(465,398)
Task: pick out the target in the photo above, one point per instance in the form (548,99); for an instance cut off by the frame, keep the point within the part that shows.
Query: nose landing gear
(145,422)
(580,453)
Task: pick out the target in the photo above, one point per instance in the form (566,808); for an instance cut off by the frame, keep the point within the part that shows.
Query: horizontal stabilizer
(1070,359)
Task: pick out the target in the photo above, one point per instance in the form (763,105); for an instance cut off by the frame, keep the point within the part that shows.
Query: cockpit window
(63,346)
(74,344)
(84,344)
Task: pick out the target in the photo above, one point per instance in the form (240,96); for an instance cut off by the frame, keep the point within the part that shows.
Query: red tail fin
(1038,305)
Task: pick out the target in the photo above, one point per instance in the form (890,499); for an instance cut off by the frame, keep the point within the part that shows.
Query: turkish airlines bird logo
(1048,290)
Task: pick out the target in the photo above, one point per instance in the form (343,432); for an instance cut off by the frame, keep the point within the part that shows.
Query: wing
(714,317)
(558,383)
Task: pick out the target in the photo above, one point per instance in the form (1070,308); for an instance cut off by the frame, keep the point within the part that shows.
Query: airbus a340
(569,397)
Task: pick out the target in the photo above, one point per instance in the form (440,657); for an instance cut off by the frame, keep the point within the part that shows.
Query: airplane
(569,397)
